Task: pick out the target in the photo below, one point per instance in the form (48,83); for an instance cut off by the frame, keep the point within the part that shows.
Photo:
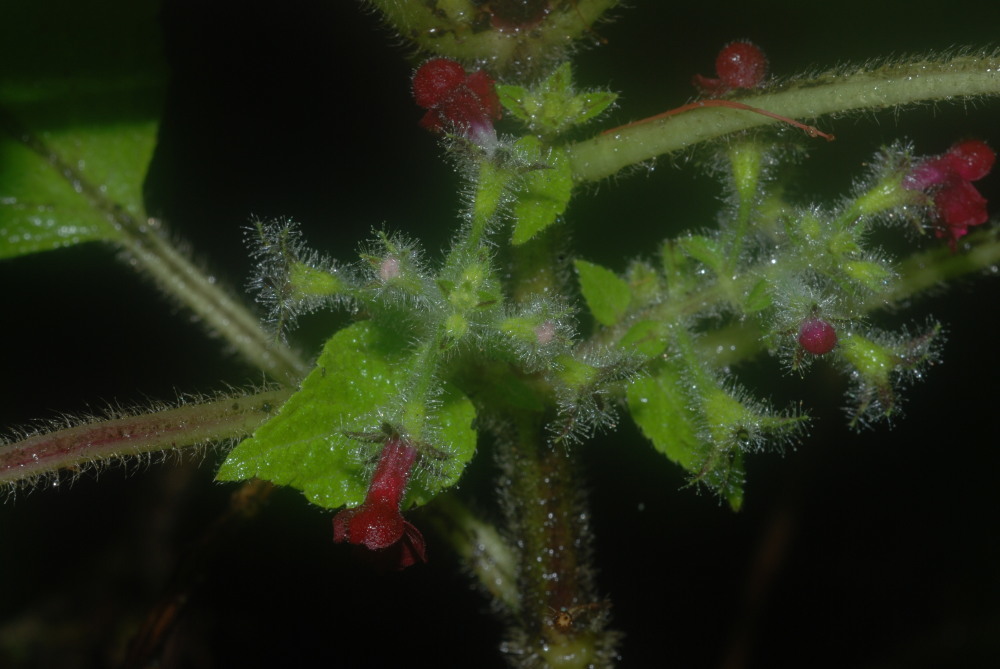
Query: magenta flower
(377,525)
(464,103)
(948,180)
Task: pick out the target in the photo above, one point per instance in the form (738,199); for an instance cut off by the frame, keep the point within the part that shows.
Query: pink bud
(817,336)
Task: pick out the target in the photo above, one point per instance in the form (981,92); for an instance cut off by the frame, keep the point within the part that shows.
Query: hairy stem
(561,623)
(866,90)
(104,440)
(456,30)
(479,545)
(147,247)
(919,273)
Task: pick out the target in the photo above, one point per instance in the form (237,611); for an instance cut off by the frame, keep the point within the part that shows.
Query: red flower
(377,525)
(454,100)
(948,179)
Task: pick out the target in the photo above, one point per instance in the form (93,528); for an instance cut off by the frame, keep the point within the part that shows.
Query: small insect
(567,618)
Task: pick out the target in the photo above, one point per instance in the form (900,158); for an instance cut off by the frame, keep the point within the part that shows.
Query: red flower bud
(739,65)
(817,336)
(467,103)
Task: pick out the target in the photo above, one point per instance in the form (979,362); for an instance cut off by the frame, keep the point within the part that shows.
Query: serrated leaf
(607,295)
(315,443)
(544,192)
(513,100)
(662,411)
(78,114)
(666,414)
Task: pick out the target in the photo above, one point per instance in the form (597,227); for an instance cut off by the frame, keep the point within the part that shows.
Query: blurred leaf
(706,250)
(318,441)
(78,109)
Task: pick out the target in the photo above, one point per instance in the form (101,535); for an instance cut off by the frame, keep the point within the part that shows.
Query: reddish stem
(812,131)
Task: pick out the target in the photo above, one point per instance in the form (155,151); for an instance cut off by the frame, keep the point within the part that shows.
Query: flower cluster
(948,179)
(454,100)
(377,524)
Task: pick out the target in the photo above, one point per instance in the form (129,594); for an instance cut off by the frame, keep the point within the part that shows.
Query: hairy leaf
(544,191)
(324,438)
(607,294)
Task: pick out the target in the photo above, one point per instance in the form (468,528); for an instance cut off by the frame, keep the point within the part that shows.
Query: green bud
(574,373)
(810,227)
(872,275)
(456,326)
(747,163)
(310,282)
(873,361)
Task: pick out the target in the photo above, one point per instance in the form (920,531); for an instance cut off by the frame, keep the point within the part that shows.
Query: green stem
(100,441)
(455,30)
(929,269)
(868,90)
(147,248)
(479,546)
(918,273)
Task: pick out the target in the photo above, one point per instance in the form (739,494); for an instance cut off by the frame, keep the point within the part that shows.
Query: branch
(866,90)
(91,443)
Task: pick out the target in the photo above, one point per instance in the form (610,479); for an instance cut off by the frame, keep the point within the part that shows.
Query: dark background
(884,546)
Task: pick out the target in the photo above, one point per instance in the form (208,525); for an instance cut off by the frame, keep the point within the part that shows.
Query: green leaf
(607,294)
(544,191)
(39,210)
(648,338)
(662,411)
(78,114)
(319,442)
(706,250)
(553,106)
(668,417)
(759,297)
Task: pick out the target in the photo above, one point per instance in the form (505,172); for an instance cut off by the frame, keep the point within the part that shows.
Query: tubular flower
(948,180)
(377,524)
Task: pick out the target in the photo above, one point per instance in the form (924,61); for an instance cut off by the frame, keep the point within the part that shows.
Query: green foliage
(494,322)
(552,107)
(544,190)
(607,295)
(74,149)
(323,436)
